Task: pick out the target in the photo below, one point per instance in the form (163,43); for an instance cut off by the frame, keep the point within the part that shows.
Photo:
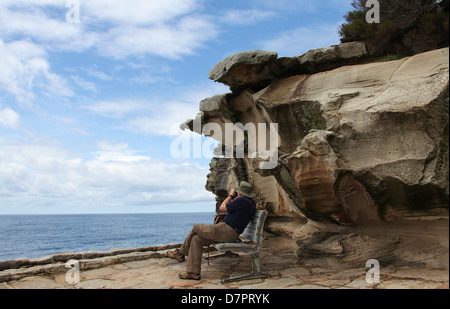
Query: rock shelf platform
(149,268)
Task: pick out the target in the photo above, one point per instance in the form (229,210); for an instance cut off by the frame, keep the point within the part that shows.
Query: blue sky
(88,110)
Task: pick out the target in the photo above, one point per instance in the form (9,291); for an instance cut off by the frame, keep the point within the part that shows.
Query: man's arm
(232,195)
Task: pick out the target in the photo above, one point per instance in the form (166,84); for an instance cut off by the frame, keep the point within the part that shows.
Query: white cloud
(119,29)
(117,109)
(172,40)
(156,116)
(9,118)
(137,12)
(21,3)
(25,50)
(164,118)
(162,121)
(99,74)
(36,23)
(24,70)
(84,84)
(109,152)
(47,175)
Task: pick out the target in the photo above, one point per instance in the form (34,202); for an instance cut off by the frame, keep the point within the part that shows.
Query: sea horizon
(109,213)
(39,235)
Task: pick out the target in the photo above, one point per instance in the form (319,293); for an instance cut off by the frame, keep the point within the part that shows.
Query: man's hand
(223,207)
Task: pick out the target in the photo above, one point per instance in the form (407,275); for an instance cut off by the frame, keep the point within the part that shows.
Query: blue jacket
(240,212)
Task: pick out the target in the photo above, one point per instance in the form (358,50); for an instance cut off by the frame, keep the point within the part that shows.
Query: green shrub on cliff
(406,27)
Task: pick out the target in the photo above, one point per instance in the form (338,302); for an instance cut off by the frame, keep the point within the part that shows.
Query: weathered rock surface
(327,58)
(256,69)
(359,144)
(142,270)
(244,69)
(55,264)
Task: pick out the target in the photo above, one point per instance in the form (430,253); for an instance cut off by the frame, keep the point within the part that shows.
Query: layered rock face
(359,144)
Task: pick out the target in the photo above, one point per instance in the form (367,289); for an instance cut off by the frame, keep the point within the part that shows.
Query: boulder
(327,58)
(249,69)
(256,69)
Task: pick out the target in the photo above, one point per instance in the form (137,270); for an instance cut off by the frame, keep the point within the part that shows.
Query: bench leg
(255,274)
(226,254)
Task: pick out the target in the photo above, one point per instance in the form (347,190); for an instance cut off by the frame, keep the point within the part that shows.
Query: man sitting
(240,209)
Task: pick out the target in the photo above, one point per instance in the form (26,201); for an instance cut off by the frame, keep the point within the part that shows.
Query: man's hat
(245,189)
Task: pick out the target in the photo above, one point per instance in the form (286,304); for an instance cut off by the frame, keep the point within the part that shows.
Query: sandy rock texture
(361,148)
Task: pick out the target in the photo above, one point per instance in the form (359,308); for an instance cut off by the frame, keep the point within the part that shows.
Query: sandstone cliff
(362,149)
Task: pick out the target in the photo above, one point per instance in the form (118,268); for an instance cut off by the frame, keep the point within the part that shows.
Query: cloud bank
(83,105)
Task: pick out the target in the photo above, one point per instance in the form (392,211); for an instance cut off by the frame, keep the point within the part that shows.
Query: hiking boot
(189,276)
(176,255)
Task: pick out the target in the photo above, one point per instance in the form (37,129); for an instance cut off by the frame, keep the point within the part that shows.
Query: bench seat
(254,233)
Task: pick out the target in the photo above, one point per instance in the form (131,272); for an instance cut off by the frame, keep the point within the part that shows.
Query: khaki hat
(245,189)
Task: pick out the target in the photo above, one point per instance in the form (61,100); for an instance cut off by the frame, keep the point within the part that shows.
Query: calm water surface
(34,236)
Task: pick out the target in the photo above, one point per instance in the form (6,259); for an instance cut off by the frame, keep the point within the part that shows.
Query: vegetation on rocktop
(406,27)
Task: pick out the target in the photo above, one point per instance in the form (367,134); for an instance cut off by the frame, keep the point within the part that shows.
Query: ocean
(34,236)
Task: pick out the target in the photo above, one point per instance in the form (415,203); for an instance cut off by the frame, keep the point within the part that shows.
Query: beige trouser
(204,235)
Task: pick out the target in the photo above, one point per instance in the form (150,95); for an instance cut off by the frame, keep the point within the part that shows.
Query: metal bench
(254,233)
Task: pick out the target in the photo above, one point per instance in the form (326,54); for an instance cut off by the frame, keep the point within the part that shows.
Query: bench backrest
(254,229)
